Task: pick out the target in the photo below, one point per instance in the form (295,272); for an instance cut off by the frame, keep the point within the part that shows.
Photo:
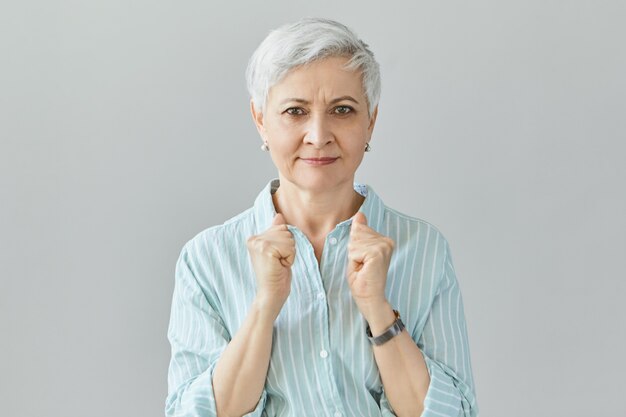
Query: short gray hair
(302,42)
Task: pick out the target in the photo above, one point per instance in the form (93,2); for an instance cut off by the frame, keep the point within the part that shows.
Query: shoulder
(397,219)
(415,236)
(420,241)
(221,237)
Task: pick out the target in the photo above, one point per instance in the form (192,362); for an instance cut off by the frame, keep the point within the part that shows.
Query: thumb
(278,219)
(359,217)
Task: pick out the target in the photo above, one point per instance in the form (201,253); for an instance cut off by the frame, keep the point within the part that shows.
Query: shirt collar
(373,207)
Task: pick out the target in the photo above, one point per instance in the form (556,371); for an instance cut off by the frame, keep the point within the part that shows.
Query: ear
(370,128)
(257,117)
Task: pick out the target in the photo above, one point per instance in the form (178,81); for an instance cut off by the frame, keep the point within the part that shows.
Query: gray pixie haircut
(302,42)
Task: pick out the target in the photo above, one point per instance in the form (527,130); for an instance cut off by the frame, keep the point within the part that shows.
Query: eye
(344,109)
(294,111)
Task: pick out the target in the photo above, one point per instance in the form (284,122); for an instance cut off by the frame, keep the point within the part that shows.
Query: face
(317,111)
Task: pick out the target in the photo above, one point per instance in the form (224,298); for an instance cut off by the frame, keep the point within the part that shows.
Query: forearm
(401,365)
(240,373)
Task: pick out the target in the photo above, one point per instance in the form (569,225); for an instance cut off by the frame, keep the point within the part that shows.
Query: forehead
(322,79)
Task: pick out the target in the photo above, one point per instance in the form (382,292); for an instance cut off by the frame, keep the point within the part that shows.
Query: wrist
(392,331)
(372,304)
(266,307)
(379,316)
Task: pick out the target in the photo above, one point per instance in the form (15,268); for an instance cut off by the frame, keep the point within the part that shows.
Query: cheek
(290,138)
(357,137)
(286,148)
(357,155)
(355,129)
(281,137)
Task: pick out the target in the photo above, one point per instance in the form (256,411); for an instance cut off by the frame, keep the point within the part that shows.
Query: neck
(316,213)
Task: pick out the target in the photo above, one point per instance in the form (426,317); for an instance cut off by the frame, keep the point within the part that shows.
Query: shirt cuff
(443,397)
(385,407)
(259,407)
(198,399)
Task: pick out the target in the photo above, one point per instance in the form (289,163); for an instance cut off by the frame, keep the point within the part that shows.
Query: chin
(322,182)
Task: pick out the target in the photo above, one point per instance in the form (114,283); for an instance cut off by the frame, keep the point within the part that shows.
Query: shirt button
(320,295)
(332,240)
(323,353)
(337,414)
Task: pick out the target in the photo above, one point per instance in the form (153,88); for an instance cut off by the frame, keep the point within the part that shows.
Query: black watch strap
(395,329)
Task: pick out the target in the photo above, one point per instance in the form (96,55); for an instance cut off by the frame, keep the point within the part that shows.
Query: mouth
(320,161)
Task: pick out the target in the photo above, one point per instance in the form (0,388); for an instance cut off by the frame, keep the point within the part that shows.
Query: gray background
(125,130)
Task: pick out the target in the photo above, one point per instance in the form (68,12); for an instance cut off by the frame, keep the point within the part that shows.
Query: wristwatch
(395,329)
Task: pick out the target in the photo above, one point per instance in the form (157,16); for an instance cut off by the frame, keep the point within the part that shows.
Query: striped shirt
(321,363)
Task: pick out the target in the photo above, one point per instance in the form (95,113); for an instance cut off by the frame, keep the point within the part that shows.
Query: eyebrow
(303,101)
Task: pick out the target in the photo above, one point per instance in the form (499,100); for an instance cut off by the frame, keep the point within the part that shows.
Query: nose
(318,131)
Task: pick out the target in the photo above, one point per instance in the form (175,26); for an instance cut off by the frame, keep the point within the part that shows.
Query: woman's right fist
(272,253)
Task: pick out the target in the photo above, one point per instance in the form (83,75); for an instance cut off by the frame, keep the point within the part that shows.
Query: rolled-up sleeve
(385,406)
(445,346)
(197,337)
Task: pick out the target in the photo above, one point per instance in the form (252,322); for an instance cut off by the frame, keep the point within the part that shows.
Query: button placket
(316,287)
(328,252)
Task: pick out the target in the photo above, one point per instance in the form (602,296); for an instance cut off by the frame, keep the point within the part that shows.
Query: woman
(318,300)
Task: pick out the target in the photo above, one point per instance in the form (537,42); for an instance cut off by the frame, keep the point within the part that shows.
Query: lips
(316,162)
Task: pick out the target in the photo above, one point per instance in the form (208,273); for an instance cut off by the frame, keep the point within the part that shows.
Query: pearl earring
(265,147)
(368,147)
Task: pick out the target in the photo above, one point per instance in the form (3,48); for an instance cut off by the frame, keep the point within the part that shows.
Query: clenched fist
(369,255)
(272,253)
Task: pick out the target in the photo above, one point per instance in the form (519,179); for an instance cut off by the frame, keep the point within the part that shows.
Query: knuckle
(264,245)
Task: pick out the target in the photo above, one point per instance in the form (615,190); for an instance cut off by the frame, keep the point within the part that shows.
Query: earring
(368,147)
(265,147)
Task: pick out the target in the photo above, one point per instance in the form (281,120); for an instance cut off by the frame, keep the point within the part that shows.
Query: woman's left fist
(369,255)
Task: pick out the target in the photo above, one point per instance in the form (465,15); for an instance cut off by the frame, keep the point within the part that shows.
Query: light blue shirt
(322,363)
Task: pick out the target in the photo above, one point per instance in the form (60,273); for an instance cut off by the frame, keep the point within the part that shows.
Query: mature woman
(319,300)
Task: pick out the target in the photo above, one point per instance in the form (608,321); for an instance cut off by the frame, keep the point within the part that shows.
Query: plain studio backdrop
(125,131)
